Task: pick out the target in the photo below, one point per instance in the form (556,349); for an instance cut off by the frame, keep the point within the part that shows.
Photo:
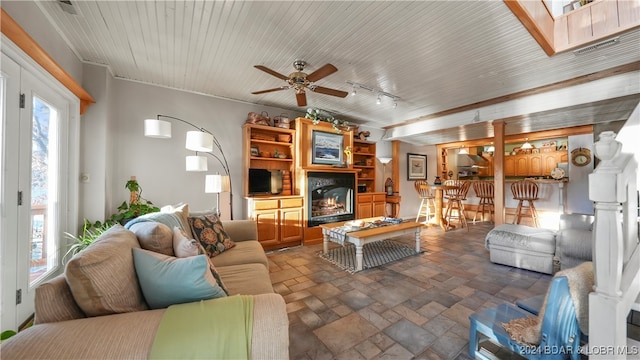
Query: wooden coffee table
(361,237)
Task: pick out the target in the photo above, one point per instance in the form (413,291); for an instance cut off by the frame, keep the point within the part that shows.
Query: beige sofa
(127,329)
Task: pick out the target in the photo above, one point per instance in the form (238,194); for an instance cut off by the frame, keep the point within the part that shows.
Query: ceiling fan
(299,80)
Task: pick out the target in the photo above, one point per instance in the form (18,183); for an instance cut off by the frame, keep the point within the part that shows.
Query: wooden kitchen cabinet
(279,221)
(510,165)
(371,205)
(533,164)
(522,165)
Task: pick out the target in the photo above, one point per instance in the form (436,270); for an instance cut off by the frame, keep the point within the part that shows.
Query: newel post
(608,185)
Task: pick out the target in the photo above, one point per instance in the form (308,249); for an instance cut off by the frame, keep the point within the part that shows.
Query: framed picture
(255,151)
(326,148)
(416,167)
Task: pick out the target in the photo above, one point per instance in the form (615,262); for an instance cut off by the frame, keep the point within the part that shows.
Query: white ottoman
(523,247)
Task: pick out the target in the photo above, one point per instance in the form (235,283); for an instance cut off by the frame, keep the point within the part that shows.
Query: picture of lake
(327,148)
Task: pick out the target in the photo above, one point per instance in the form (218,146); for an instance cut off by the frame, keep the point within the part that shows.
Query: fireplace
(331,197)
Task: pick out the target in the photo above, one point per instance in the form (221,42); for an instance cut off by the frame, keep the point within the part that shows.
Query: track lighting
(379,93)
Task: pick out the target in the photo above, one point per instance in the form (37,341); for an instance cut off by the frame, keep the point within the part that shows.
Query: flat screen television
(263,181)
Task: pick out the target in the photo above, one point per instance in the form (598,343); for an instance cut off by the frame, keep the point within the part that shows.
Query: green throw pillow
(166,280)
(208,231)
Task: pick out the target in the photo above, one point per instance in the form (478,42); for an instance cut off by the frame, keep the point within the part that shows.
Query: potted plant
(136,206)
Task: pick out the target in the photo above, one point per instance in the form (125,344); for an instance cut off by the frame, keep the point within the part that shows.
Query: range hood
(471,160)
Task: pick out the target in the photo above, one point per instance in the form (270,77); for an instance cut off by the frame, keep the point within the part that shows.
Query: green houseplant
(136,206)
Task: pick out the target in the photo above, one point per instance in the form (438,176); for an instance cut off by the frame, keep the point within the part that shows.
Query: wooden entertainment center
(282,214)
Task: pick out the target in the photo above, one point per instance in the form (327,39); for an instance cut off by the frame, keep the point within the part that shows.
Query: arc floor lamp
(200,141)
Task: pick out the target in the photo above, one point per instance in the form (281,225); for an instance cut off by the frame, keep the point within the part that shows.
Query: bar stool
(455,198)
(525,190)
(427,199)
(484,190)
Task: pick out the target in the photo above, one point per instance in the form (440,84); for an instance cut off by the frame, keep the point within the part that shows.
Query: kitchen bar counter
(551,194)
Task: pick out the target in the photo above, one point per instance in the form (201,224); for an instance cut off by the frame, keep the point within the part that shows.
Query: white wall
(159,165)
(410,201)
(578,186)
(33,21)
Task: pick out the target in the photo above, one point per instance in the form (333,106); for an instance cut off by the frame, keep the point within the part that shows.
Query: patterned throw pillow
(208,231)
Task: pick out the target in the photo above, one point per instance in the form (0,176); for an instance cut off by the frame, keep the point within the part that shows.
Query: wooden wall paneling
(561,33)
(628,13)
(579,26)
(604,18)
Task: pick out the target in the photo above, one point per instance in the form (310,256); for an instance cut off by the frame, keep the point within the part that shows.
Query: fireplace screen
(331,197)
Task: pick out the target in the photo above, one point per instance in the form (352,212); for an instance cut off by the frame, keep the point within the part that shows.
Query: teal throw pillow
(166,280)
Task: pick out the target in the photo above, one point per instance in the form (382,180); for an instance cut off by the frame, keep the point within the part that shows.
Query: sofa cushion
(102,278)
(154,236)
(248,279)
(244,252)
(183,246)
(208,231)
(182,212)
(167,280)
(54,302)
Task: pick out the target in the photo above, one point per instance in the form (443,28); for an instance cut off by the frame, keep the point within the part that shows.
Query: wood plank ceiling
(433,55)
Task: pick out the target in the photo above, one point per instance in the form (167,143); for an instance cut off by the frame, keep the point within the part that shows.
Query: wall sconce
(200,141)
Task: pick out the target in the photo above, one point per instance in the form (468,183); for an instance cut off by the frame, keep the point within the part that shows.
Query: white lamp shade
(226,183)
(526,145)
(213,184)
(157,128)
(385,160)
(463,151)
(196,163)
(491,148)
(199,141)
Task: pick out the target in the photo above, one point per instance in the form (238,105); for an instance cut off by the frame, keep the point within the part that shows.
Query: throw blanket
(209,329)
(581,281)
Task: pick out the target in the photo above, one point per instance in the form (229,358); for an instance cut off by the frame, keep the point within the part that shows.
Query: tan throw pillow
(208,231)
(154,236)
(182,246)
(182,211)
(102,278)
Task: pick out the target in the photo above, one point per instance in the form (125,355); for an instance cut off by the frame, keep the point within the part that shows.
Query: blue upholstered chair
(559,336)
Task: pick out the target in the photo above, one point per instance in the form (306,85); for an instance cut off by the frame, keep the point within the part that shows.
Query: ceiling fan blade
(270,90)
(322,72)
(302,98)
(269,71)
(332,92)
